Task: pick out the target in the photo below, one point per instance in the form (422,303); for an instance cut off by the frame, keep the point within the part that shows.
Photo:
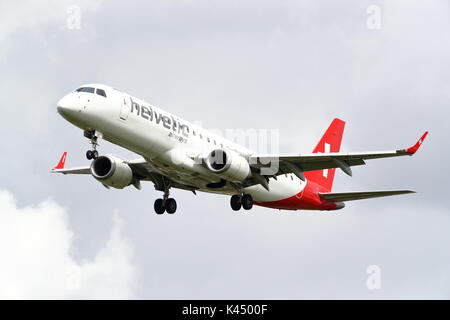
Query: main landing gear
(92,154)
(244,201)
(165,204)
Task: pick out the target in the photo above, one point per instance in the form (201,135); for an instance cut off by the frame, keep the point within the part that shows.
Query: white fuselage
(173,147)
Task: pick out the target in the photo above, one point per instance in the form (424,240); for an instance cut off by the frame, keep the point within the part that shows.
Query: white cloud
(35,248)
(26,15)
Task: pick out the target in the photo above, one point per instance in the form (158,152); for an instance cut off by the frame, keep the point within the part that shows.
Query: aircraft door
(125,107)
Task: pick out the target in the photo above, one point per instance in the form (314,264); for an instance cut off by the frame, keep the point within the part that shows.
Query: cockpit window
(85,89)
(101,92)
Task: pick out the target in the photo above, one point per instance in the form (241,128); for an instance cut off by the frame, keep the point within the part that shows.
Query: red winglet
(62,161)
(416,147)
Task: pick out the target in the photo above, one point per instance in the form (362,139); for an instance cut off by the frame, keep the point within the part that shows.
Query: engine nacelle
(112,171)
(228,165)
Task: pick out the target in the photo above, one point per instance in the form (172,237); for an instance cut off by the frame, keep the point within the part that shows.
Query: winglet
(62,161)
(416,147)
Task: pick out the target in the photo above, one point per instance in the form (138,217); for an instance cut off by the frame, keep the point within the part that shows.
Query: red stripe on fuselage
(307,199)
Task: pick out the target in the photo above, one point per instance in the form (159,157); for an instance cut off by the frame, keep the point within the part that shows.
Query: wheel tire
(89,155)
(171,206)
(159,206)
(94,154)
(235,202)
(247,202)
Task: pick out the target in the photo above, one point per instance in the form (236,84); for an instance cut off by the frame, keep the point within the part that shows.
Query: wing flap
(350,196)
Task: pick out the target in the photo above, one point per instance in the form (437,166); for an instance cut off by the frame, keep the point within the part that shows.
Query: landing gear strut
(92,154)
(165,204)
(244,201)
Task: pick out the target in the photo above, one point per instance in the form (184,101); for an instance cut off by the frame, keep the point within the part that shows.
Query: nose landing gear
(91,154)
(92,136)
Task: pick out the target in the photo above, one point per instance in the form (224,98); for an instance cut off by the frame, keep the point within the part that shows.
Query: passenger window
(86,89)
(101,92)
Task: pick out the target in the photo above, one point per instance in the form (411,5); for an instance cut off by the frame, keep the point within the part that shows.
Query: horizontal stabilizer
(60,167)
(349,196)
(78,170)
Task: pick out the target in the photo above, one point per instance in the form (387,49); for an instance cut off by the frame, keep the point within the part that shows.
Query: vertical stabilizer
(330,142)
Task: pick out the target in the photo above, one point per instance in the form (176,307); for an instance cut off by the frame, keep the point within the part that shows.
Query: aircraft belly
(283,188)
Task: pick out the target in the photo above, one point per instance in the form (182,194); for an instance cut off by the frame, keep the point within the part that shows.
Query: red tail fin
(330,142)
(62,161)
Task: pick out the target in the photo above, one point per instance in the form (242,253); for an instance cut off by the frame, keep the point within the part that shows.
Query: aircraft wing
(298,164)
(61,169)
(142,171)
(76,170)
(349,196)
(139,166)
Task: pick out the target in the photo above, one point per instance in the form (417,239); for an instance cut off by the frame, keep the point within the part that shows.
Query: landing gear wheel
(171,206)
(247,202)
(93,137)
(159,206)
(235,202)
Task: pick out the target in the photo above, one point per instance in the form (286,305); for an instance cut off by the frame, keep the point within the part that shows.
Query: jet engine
(228,165)
(112,171)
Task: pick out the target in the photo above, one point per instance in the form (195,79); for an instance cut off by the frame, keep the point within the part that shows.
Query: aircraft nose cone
(67,106)
(60,108)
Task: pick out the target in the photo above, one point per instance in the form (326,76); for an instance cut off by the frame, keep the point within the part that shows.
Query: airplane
(178,154)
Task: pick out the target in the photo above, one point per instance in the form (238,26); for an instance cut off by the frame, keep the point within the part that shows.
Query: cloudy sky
(287,65)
